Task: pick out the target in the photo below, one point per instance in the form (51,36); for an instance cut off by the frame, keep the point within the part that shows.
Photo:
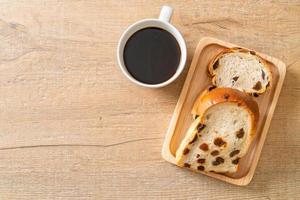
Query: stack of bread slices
(225,115)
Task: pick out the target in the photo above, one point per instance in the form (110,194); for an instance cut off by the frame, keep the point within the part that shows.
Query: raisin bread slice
(222,132)
(240,69)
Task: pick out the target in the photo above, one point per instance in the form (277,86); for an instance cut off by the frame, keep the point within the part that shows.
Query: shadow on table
(277,165)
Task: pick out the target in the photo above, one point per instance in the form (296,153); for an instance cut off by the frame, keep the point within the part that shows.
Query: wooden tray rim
(166,153)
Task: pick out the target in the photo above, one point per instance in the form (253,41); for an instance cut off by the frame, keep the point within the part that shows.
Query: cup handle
(165,14)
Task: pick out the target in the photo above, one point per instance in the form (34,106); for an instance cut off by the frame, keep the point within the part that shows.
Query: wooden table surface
(73,127)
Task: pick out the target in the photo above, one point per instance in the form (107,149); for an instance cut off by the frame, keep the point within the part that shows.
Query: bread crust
(212,72)
(208,99)
(219,95)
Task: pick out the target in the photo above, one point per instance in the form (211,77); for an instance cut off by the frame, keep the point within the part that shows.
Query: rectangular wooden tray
(197,80)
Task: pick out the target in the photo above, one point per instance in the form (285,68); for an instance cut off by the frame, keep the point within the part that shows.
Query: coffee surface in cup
(152,55)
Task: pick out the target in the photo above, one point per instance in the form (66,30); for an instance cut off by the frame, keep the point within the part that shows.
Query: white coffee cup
(163,23)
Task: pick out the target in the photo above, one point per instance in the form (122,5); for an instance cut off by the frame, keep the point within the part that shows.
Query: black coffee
(152,55)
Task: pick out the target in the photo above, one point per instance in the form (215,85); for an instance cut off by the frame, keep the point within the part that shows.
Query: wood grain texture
(73,127)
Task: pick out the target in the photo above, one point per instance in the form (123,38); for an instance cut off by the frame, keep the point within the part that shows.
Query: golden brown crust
(219,95)
(242,50)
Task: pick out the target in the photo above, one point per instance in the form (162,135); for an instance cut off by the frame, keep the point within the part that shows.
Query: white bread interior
(222,132)
(240,70)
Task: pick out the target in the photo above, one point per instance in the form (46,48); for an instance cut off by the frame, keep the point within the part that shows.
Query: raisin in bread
(221,133)
(240,69)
